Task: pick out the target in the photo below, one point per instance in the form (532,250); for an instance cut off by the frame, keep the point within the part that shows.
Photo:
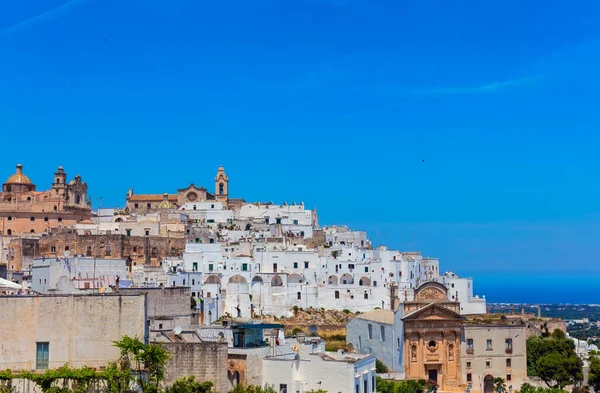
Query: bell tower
(222,186)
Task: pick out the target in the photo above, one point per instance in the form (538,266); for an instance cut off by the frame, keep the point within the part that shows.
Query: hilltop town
(239,293)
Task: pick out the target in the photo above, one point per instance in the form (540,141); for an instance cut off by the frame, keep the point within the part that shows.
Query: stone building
(189,194)
(23,209)
(137,250)
(44,332)
(492,348)
(432,332)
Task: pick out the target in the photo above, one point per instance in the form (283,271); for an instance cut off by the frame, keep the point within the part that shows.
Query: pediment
(191,187)
(431,312)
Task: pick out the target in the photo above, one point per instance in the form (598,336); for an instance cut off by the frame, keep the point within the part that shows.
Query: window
(9,218)
(469,345)
(366,269)
(67,248)
(382,332)
(469,377)
(278,220)
(267,220)
(210,267)
(211,241)
(53,249)
(508,377)
(372,384)
(42,355)
(488,363)
(221,188)
(32,219)
(184,282)
(195,266)
(193,283)
(366,295)
(134,249)
(88,252)
(282,388)
(337,294)
(107,250)
(45,219)
(295,222)
(59,219)
(147,232)
(295,265)
(508,363)
(306,265)
(488,345)
(135,205)
(212,207)
(274,268)
(148,205)
(160,325)
(299,295)
(244,267)
(357,389)
(32,231)
(154,252)
(508,344)
(365,386)
(128,232)
(197,240)
(468,364)
(370,327)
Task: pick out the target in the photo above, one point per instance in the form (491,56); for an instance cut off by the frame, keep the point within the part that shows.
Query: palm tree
(499,384)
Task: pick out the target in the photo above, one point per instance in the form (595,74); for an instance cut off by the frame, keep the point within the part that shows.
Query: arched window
(9,218)
(45,219)
(337,294)
(221,189)
(370,327)
(77,199)
(59,219)
(9,232)
(32,231)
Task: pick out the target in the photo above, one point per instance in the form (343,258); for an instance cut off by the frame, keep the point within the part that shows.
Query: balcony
(470,351)
(508,350)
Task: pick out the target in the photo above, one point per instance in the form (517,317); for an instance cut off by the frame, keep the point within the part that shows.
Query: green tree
(253,389)
(499,384)
(594,373)
(408,386)
(146,357)
(553,359)
(380,367)
(189,385)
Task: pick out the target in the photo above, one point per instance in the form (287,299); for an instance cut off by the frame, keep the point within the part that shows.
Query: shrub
(380,367)
(296,330)
(346,311)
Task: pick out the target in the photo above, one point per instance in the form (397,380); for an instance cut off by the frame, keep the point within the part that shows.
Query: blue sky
(467,130)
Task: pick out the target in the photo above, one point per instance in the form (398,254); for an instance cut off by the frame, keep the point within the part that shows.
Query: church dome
(166,204)
(19,177)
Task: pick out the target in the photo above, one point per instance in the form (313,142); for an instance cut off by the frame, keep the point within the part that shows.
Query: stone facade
(206,361)
(78,330)
(432,334)
(25,210)
(137,250)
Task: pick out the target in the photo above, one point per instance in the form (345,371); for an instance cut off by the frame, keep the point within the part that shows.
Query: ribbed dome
(166,204)
(19,177)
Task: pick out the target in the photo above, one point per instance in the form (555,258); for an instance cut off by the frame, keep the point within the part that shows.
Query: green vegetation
(594,373)
(153,357)
(408,386)
(189,385)
(253,389)
(553,359)
(527,388)
(380,367)
(296,330)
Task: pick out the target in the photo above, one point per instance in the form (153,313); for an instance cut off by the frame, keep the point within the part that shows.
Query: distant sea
(538,289)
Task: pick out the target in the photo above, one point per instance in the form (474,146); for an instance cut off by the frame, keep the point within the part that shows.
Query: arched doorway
(488,384)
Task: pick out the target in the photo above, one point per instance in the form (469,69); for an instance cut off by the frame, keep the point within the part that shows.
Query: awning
(9,284)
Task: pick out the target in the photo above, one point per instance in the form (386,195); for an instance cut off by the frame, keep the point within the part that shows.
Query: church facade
(24,210)
(138,203)
(432,336)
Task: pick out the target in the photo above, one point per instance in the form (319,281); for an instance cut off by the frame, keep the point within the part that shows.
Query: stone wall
(206,361)
(142,250)
(79,329)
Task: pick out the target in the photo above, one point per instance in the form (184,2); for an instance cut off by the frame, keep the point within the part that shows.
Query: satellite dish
(67,253)
(177,330)
(312,329)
